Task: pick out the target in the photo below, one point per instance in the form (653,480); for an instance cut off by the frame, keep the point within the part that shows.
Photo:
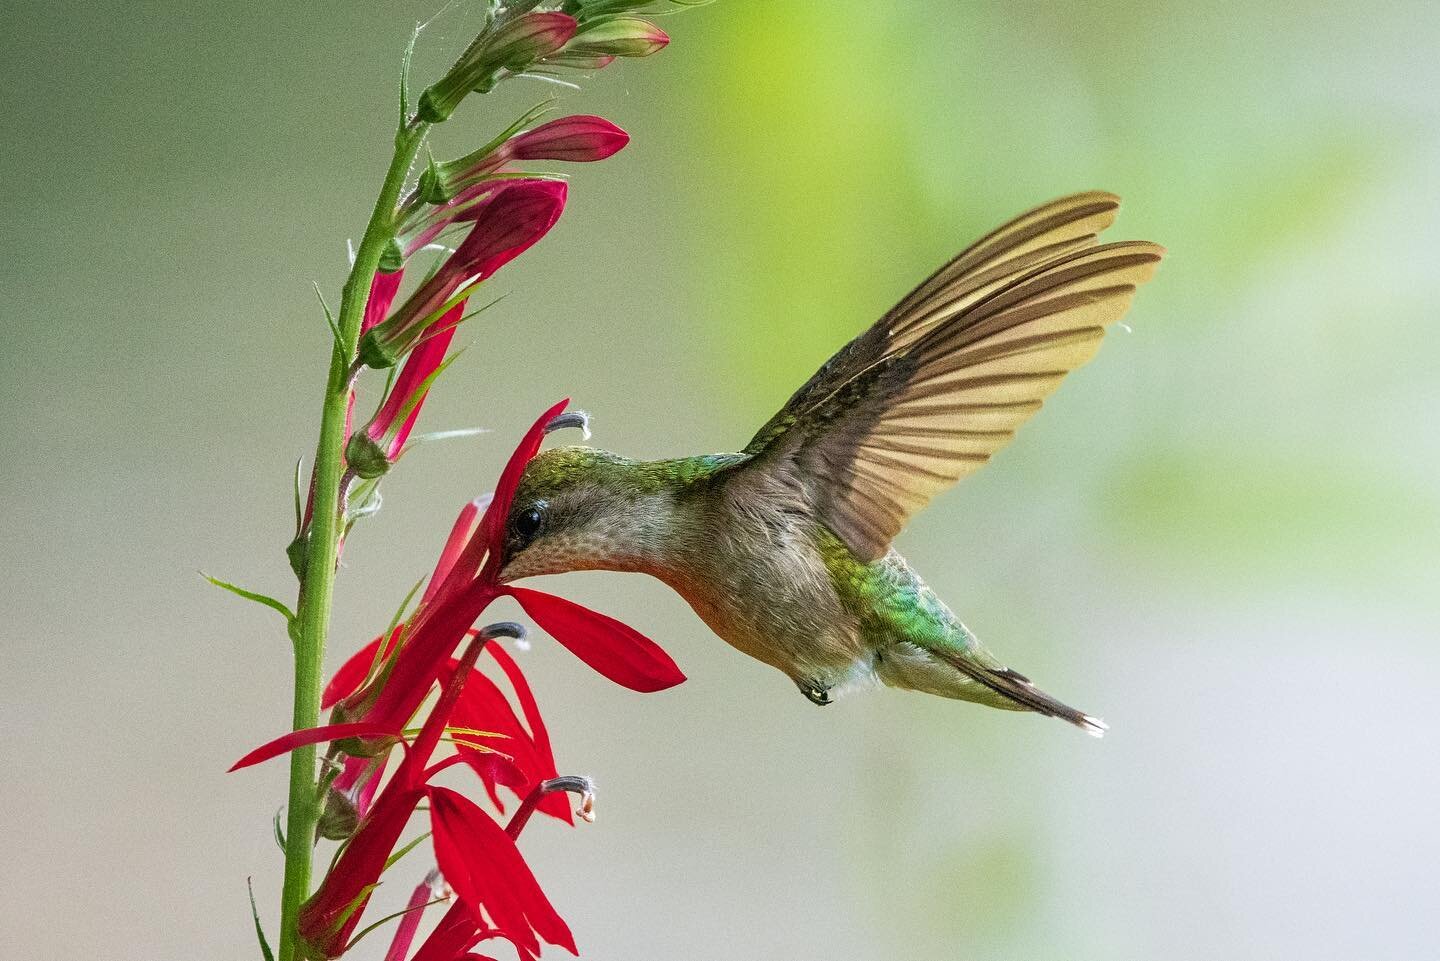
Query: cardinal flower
(466,581)
(477,857)
(508,219)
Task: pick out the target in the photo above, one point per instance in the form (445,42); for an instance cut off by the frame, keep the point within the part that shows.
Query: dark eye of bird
(527,524)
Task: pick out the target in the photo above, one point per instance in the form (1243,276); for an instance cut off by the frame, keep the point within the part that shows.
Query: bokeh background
(1221,535)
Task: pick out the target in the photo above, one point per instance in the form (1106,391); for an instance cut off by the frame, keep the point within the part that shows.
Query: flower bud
(515,46)
(507,222)
(579,139)
(617,37)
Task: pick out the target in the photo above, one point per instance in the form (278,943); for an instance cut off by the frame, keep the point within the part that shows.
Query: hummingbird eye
(527,523)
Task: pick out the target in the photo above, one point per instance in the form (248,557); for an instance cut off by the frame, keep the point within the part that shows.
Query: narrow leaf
(329,317)
(258,598)
(401,852)
(259,931)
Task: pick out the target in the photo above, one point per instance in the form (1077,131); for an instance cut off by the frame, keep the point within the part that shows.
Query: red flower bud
(509,219)
(513,47)
(577,139)
(617,37)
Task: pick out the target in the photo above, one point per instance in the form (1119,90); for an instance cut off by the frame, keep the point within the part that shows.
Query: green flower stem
(318,586)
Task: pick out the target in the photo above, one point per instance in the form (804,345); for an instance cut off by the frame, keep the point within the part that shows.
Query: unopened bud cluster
(577,36)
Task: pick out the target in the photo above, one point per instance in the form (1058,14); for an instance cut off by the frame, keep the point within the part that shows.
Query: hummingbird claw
(815,693)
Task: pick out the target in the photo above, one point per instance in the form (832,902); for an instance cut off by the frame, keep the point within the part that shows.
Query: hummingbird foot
(814,692)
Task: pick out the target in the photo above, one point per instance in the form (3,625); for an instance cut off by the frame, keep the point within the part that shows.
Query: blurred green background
(1221,535)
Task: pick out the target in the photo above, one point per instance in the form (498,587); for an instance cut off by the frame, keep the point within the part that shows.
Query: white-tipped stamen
(571,418)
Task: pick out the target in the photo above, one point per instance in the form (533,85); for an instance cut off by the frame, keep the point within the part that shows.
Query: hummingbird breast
(755,573)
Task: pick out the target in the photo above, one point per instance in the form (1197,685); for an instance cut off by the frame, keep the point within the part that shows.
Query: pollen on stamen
(571,418)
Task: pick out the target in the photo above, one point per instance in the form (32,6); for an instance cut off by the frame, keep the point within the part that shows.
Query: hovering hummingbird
(783,549)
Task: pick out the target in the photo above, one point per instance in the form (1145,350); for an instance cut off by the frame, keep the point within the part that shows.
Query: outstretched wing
(942,381)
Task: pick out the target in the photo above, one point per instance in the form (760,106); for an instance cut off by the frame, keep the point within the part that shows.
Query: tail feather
(1019,689)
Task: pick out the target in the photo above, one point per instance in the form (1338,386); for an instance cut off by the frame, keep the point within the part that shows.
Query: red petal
(482,864)
(382,294)
(459,536)
(556,805)
(491,535)
(409,922)
(313,735)
(496,769)
(420,363)
(483,707)
(455,932)
(618,651)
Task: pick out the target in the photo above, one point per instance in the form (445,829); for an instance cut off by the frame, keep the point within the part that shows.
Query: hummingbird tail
(1017,687)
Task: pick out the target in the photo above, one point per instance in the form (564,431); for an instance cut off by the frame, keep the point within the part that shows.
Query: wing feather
(940,383)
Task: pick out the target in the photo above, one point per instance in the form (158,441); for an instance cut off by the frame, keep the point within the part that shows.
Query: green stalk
(318,586)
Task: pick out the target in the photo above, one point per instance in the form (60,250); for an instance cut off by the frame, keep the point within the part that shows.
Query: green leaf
(259,931)
(279,831)
(258,598)
(405,850)
(329,317)
(391,917)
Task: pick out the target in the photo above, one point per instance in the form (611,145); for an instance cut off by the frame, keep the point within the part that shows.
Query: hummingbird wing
(940,383)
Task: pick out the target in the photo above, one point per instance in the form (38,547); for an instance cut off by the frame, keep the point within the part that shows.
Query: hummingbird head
(579,508)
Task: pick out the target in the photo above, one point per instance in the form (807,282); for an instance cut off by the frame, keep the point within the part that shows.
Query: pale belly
(779,606)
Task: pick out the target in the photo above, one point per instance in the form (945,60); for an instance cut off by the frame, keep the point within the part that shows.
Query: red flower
(378,691)
(509,219)
(371,451)
(482,864)
(478,858)
(468,586)
(482,706)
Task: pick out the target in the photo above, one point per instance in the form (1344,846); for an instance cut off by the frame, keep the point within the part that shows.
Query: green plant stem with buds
(317,588)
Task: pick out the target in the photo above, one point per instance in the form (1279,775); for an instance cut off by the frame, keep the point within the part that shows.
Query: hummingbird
(784,548)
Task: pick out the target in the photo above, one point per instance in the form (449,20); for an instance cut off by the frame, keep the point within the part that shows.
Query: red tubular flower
(577,139)
(484,707)
(371,450)
(328,918)
(478,858)
(482,864)
(508,221)
(382,294)
(616,651)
